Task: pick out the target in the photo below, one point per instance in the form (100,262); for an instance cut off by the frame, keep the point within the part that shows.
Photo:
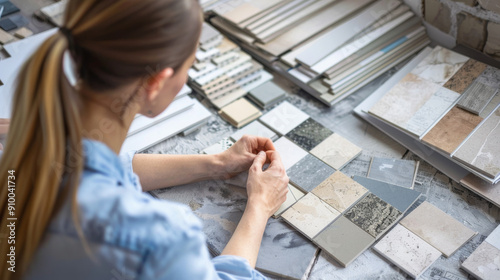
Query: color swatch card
(484,262)
(394,171)
(240,113)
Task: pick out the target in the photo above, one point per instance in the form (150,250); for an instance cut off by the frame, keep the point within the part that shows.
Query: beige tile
(339,191)
(240,112)
(291,197)
(336,151)
(23,32)
(484,262)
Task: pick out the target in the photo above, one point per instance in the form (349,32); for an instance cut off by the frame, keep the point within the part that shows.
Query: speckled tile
(343,240)
(310,215)
(254,128)
(394,171)
(407,251)
(309,172)
(437,228)
(465,76)
(336,151)
(292,196)
(340,191)
(484,262)
(440,65)
(284,118)
(309,134)
(494,238)
(476,97)
(289,152)
(373,215)
(219,147)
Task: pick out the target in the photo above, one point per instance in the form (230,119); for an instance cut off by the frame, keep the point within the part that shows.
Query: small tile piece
(310,215)
(219,147)
(340,191)
(336,151)
(309,134)
(23,32)
(9,8)
(484,262)
(289,152)
(284,118)
(373,215)
(407,251)
(437,228)
(256,129)
(7,24)
(476,97)
(5,37)
(309,172)
(398,172)
(343,240)
(292,196)
(267,94)
(465,76)
(399,197)
(440,65)
(490,192)
(494,238)
(240,113)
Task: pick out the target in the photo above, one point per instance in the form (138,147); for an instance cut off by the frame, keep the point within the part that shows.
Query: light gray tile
(309,172)
(484,262)
(394,171)
(494,238)
(284,118)
(476,97)
(267,93)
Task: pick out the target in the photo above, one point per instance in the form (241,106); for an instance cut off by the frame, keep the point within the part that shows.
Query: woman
(79,207)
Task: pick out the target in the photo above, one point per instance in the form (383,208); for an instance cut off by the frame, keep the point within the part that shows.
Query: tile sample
(310,215)
(309,134)
(219,147)
(484,262)
(267,94)
(399,197)
(440,65)
(479,186)
(284,118)
(465,76)
(407,251)
(373,215)
(309,172)
(343,240)
(394,171)
(437,228)
(452,130)
(482,149)
(336,151)
(240,113)
(292,196)
(254,128)
(476,97)
(340,191)
(289,152)
(494,238)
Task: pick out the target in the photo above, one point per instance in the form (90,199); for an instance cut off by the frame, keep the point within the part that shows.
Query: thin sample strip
(336,151)
(256,129)
(240,113)
(394,171)
(484,262)
(476,97)
(289,152)
(292,196)
(486,190)
(284,118)
(309,172)
(465,76)
(219,147)
(309,134)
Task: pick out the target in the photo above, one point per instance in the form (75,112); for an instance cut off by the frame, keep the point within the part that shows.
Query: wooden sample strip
(476,97)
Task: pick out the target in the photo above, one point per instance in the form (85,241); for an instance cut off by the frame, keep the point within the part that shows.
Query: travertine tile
(394,171)
(256,129)
(309,134)
(310,215)
(483,188)
(440,65)
(437,228)
(465,76)
(484,262)
(407,251)
(336,151)
(340,191)
(476,97)
(309,172)
(292,196)
(289,152)
(284,118)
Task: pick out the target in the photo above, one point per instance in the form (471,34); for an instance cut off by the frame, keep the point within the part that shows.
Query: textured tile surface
(309,172)
(289,152)
(483,188)
(254,128)
(407,251)
(310,215)
(452,129)
(399,197)
(484,262)
(336,151)
(440,65)
(476,97)
(219,147)
(373,215)
(494,238)
(292,196)
(343,240)
(284,118)
(395,171)
(340,191)
(465,76)
(437,228)
(309,134)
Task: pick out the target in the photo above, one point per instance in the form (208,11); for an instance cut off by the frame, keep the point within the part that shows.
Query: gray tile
(309,134)
(373,215)
(399,197)
(476,97)
(309,172)
(267,93)
(394,171)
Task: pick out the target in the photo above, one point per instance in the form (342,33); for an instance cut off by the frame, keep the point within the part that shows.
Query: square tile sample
(343,240)
(494,238)
(267,94)
(373,215)
(479,186)
(256,129)
(484,262)
(340,191)
(437,228)
(284,118)
(440,65)
(465,76)
(476,97)
(407,251)
(289,152)
(292,196)
(336,151)
(399,197)
(240,113)
(218,147)
(309,172)
(310,215)
(309,134)
(394,171)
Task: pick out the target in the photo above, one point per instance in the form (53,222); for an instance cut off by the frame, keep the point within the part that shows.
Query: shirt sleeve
(126,161)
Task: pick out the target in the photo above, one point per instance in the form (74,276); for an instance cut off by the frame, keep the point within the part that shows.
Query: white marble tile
(440,65)
(289,152)
(284,118)
(255,128)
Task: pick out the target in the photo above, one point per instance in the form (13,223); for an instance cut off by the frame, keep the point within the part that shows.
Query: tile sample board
(465,76)
(240,113)
(491,192)
(289,152)
(407,251)
(255,128)
(437,228)
(284,118)
(309,134)
(309,172)
(292,196)
(484,262)
(336,151)
(394,171)
(476,97)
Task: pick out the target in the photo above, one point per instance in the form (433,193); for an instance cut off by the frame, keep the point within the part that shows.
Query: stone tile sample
(23,32)
(292,196)
(490,77)
(494,238)
(484,262)
(289,152)
(267,94)
(492,46)
(452,130)
(465,76)
(437,14)
(219,147)
(336,151)
(240,113)
(309,134)
(310,215)
(482,149)
(284,118)
(5,37)
(256,129)
(309,172)
(491,106)
(471,31)
(398,172)
(407,251)
(373,215)
(399,197)
(476,97)
(437,228)
(440,65)
(343,240)
(486,190)
(340,191)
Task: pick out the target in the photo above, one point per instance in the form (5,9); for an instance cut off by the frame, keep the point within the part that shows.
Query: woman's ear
(156,83)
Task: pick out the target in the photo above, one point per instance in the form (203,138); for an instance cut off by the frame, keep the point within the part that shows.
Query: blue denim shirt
(129,234)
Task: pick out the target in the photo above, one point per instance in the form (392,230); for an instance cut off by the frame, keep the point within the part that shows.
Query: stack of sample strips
(330,48)
(484,263)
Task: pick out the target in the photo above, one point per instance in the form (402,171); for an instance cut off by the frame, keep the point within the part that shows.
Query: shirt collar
(101,159)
